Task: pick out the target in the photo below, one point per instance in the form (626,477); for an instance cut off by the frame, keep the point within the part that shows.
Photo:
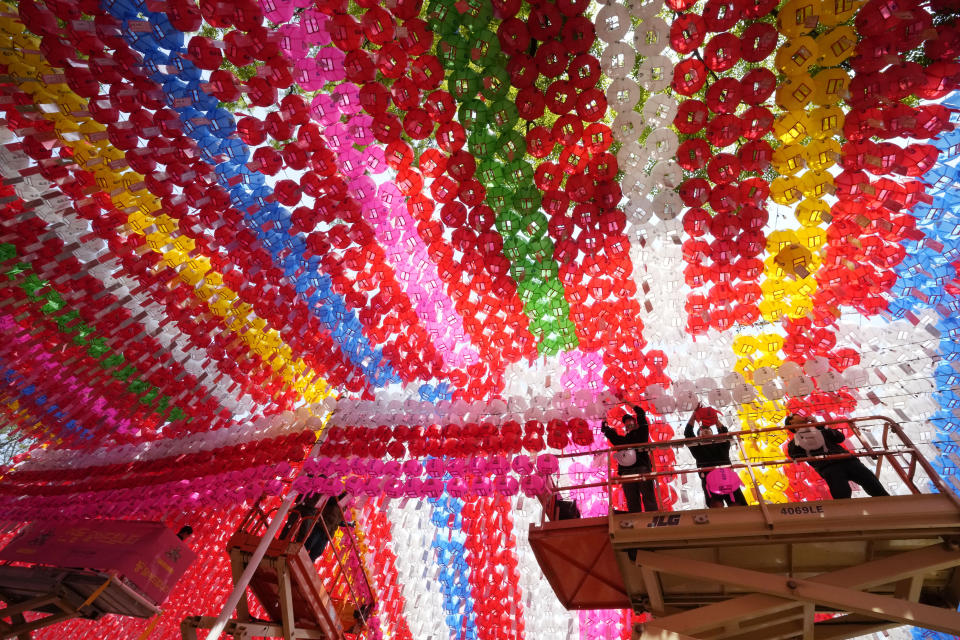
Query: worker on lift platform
(721,485)
(634,461)
(809,441)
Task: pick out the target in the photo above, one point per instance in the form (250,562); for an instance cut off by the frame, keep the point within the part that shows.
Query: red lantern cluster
(723,204)
(247,368)
(348,253)
(454,440)
(871,221)
(145,473)
(495,582)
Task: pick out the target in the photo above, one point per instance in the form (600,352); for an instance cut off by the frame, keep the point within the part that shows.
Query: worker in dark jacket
(316,525)
(639,495)
(714,453)
(809,441)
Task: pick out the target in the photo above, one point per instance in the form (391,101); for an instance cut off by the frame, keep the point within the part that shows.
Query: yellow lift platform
(287,585)
(764,572)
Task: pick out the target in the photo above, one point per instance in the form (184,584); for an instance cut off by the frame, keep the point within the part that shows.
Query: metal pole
(240,588)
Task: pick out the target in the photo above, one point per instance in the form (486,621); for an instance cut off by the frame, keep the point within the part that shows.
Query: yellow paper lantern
(786,190)
(822,154)
(745,345)
(837,45)
(780,239)
(157,241)
(832,86)
(788,159)
(812,238)
(797,17)
(826,122)
(173,258)
(774,289)
(816,184)
(770,343)
(768,360)
(744,367)
(791,127)
(811,211)
(796,92)
(796,56)
(794,260)
(833,12)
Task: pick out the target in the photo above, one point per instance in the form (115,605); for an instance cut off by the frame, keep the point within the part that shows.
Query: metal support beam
(29,605)
(864,576)
(30,627)
(236,568)
(286,600)
(652,583)
(841,598)
(252,629)
(653,632)
(851,625)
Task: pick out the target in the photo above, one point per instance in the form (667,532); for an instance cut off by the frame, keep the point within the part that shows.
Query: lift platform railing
(892,447)
(349,581)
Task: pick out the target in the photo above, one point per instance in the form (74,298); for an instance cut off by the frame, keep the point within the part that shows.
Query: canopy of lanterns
(448,238)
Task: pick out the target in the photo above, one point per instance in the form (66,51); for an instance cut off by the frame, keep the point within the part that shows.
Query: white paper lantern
(633,158)
(623,95)
(732,378)
(666,173)
(496,406)
(719,397)
(662,144)
(855,377)
(665,405)
(667,204)
(789,369)
(816,366)
(635,181)
(651,36)
(799,386)
(638,208)
(612,22)
(762,375)
(627,125)
(685,394)
(655,73)
(654,391)
(659,111)
(771,390)
(830,381)
(645,8)
(617,60)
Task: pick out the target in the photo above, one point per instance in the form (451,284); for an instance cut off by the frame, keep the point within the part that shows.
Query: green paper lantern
(443,18)
(527,200)
(495,83)
(503,115)
(512,145)
(473,114)
(453,52)
(488,170)
(477,15)
(463,84)
(484,47)
(500,199)
(519,171)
